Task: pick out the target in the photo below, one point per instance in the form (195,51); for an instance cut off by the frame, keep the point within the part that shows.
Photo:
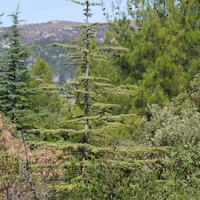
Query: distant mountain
(53,31)
(46,33)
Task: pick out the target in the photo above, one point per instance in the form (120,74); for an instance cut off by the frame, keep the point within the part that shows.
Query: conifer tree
(94,132)
(14,78)
(174,56)
(14,72)
(90,91)
(163,48)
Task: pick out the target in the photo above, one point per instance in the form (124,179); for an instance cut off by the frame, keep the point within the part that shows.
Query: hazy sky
(38,11)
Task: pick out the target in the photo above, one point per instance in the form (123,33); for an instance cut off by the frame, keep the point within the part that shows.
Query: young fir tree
(93,94)
(14,78)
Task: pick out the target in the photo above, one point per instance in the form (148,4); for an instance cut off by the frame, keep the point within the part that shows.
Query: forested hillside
(49,32)
(127,126)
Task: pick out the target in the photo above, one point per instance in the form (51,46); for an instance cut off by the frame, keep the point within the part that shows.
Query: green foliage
(49,99)
(191,94)
(55,56)
(180,172)
(105,70)
(164,55)
(175,176)
(170,126)
(42,70)
(145,96)
(122,33)
(14,78)
(106,182)
(117,171)
(100,100)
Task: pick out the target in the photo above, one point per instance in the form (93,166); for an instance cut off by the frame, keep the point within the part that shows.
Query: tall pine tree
(163,48)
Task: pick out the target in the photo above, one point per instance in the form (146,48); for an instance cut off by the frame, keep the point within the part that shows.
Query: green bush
(170,126)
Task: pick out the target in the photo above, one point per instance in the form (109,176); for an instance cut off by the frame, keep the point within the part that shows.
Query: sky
(39,11)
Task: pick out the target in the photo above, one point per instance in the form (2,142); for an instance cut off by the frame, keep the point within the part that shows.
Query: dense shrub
(170,126)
